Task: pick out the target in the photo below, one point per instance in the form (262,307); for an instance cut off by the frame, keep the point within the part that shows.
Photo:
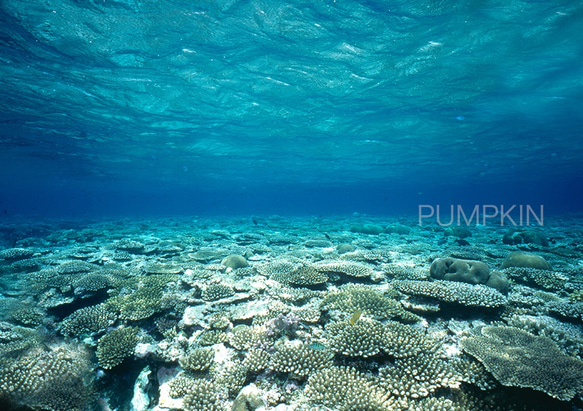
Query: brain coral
(467,271)
(517,358)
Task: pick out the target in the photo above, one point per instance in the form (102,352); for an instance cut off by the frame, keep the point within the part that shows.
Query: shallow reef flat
(290,313)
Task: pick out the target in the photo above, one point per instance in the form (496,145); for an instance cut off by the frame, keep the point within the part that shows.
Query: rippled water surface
(268,98)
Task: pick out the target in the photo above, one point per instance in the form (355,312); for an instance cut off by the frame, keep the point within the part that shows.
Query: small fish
(355,316)
(317,346)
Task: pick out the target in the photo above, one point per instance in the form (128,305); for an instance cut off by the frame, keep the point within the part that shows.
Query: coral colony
(285,314)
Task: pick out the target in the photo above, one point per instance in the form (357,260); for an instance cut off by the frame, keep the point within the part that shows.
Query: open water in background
(135,108)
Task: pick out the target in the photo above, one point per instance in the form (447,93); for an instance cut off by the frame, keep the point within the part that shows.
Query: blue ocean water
(234,204)
(130,107)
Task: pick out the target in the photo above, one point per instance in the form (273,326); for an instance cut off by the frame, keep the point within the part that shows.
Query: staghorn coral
(473,372)
(517,358)
(58,379)
(231,377)
(203,395)
(76,267)
(244,337)
(364,338)
(345,389)
(212,337)
(546,279)
(216,291)
(292,295)
(87,320)
(418,376)
(402,340)
(180,385)
(93,282)
(14,340)
(299,360)
(116,346)
(256,360)
(372,303)
(198,359)
(27,315)
(137,298)
(130,246)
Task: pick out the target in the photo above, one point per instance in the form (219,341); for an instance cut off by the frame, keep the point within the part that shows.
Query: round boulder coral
(467,271)
(518,259)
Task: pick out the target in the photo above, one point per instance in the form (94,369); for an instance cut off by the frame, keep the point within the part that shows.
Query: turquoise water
(130,107)
(327,205)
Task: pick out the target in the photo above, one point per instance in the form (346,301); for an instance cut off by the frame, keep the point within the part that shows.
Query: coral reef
(87,320)
(289,313)
(116,346)
(299,360)
(58,379)
(364,338)
(372,303)
(452,292)
(345,389)
(519,259)
(467,271)
(519,359)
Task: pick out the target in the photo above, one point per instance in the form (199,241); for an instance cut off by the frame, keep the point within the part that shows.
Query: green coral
(198,359)
(345,389)
(299,360)
(116,346)
(453,292)
(293,272)
(371,302)
(517,358)
(348,268)
(138,298)
(203,395)
(216,291)
(87,320)
(364,338)
(56,380)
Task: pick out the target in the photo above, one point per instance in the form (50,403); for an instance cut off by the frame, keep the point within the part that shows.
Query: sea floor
(290,313)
